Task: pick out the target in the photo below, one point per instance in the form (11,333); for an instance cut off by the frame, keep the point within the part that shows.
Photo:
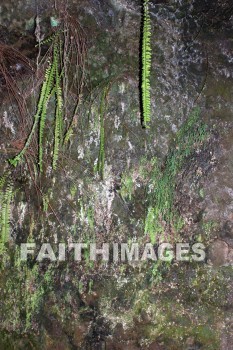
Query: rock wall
(180,168)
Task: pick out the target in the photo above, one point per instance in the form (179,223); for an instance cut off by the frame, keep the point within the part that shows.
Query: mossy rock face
(179,170)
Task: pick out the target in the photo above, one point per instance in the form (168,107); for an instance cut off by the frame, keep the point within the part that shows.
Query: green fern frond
(47,40)
(5,213)
(56,82)
(47,88)
(41,111)
(3,181)
(58,132)
(146,65)
(68,135)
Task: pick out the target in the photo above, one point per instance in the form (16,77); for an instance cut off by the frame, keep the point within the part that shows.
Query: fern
(66,45)
(59,104)
(146,64)
(5,214)
(47,40)
(41,112)
(48,85)
(2,182)
(68,135)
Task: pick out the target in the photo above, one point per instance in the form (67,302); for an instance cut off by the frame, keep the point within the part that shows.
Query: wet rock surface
(97,306)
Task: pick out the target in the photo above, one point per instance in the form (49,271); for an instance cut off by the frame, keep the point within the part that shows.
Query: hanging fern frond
(5,213)
(58,131)
(101,158)
(146,64)
(47,40)
(49,81)
(41,111)
(66,55)
(3,180)
(68,135)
